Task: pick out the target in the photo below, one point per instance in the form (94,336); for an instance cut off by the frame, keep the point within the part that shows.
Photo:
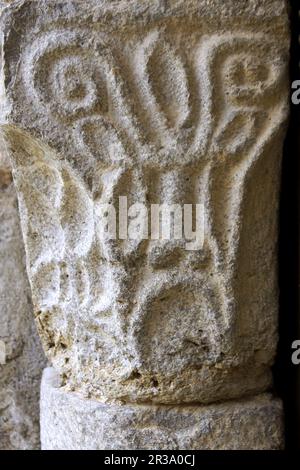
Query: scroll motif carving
(158,121)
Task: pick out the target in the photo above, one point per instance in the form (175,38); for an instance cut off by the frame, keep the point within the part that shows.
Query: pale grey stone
(182,101)
(71,422)
(163,102)
(23,359)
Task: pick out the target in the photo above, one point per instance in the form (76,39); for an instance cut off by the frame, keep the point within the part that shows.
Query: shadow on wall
(287,375)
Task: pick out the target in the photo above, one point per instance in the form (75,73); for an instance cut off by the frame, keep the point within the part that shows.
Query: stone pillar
(165,103)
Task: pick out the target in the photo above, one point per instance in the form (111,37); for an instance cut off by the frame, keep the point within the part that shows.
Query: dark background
(287,375)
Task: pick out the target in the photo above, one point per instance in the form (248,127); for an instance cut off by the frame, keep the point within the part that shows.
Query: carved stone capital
(180,102)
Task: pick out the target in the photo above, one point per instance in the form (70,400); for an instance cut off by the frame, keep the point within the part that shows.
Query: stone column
(174,102)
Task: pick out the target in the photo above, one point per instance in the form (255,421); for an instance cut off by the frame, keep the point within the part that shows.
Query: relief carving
(160,115)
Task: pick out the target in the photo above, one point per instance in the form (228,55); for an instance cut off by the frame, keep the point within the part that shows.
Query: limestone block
(178,102)
(71,422)
(22,358)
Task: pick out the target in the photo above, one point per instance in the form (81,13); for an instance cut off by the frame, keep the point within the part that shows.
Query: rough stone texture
(72,422)
(160,102)
(20,375)
(163,102)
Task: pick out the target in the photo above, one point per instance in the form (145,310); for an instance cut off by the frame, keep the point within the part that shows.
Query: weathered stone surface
(71,422)
(23,360)
(174,102)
